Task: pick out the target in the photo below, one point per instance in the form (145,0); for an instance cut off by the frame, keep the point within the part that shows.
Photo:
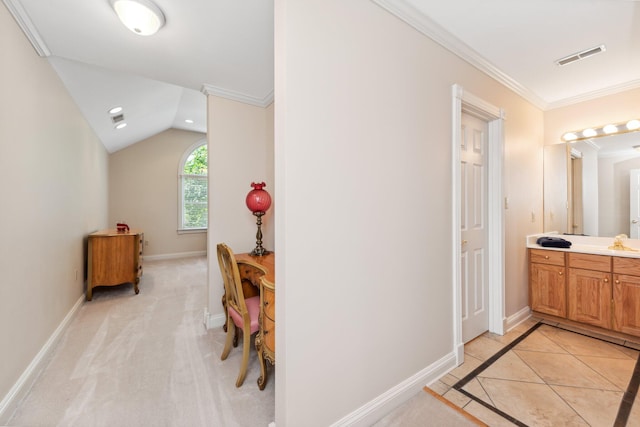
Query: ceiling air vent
(580,55)
(117,119)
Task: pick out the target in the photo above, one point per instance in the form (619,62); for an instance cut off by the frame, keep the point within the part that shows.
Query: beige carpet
(147,360)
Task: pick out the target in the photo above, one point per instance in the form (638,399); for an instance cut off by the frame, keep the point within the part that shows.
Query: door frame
(468,103)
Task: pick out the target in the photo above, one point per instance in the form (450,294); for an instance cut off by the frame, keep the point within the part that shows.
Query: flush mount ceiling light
(140,16)
(115,110)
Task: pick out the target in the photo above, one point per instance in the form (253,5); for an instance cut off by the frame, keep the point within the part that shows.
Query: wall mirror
(592,186)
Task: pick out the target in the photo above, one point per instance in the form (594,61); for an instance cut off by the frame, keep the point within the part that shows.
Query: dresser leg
(135,286)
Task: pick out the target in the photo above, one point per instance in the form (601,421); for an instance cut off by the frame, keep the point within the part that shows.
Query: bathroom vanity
(588,283)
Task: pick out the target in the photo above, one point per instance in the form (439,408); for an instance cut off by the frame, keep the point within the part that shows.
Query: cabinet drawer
(269,299)
(269,333)
(590,262)
(624,265)
(547,257)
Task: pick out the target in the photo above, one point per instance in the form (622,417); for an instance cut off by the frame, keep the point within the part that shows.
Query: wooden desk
(260,271)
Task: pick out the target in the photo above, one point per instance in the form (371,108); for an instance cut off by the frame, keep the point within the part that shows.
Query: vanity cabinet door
(589,297)
(626,300)
(548,290)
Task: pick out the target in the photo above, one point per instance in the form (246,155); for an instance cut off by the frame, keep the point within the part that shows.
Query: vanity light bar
(610,129)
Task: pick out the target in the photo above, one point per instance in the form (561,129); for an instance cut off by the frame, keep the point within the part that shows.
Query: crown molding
(418,20)
(611,90)
(25,23)
(237,96)
(437,33)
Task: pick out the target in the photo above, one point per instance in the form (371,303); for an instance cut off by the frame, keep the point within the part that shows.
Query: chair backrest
(231,279)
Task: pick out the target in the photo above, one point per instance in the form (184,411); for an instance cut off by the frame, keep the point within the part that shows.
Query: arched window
(193,188)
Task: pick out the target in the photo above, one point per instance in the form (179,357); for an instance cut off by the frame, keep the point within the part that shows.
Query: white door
(474,254)
(634,203)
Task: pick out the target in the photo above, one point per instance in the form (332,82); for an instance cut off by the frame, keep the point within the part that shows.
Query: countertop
(589,245)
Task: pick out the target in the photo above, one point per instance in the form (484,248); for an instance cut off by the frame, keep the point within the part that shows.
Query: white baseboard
(174,256)
(517,318)
(216,321)
(20,389)
(371,412)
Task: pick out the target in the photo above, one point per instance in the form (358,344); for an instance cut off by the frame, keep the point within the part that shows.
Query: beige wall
(53,184)
(363,178)
(143,191)
(615,108)
(240,152)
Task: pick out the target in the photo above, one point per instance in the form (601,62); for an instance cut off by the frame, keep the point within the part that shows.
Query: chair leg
(231,332)
(246,347)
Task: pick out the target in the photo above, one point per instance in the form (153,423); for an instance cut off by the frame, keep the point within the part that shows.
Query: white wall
(143,191)
(363,180)
(53,185)
(240,140)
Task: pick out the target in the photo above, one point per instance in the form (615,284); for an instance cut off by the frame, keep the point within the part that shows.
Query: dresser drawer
(624,265)
(541,256)
(590,262)
(269,334)
(269,298)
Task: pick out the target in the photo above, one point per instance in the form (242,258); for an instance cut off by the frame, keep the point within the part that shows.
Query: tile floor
(550,377)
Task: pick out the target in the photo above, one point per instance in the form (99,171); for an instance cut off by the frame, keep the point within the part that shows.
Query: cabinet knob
(546,257)
(617,282)
(266,303)
(606,280)
(560,273)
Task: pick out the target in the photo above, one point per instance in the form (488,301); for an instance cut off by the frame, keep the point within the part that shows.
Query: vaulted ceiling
(226,48)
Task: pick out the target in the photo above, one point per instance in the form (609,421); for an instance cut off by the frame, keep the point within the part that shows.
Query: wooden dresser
(114,258)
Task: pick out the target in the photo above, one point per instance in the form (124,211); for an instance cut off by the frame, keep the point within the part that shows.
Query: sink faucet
(619,246)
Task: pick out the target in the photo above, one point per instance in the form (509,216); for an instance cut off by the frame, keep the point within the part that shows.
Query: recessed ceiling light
(115,110)
(121,125)
(609,129)
(142,17)
(188,121)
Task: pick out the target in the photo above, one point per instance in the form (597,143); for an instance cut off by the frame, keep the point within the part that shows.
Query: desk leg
(262,380)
